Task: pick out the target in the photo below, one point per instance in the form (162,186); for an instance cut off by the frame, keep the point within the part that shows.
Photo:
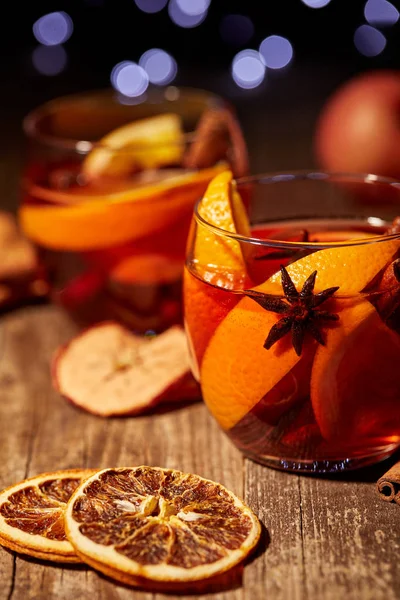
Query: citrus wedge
(349,267)
(116,218)
(147,524)
(237,371)
(32,515)
(355,387)
(145,144)
(218,258)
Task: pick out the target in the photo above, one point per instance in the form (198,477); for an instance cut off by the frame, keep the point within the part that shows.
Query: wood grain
(323,538)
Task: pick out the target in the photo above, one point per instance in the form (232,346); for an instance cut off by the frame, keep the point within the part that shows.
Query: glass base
(326,465)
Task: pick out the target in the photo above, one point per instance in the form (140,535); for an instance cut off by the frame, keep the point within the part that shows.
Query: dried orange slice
(116,218)
(107,370)
(144,144)
(32,515)
(355,386)
(143,525)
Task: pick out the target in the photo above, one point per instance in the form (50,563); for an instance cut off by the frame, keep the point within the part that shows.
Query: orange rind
(218,258)
(350,267)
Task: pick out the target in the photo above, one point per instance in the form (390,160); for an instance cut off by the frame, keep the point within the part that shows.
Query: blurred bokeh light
(160,66)
(129,79)
(49,60)
(53,29)
(151,6)
(193,7)
(248,70)
(381,13)
(369,41)
(183,18)
(276,51)
(316,3)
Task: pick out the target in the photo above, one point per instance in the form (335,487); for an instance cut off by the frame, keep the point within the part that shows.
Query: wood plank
(278,572)
(43,432)
(351,540)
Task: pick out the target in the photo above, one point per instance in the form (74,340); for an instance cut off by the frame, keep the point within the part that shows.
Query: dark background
(279,113)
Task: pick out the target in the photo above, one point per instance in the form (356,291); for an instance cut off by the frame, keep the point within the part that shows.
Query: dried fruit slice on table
(107,370)
(143,525)
(144,144)
(32,515)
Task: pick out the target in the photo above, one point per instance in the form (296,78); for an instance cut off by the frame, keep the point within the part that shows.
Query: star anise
(300,311)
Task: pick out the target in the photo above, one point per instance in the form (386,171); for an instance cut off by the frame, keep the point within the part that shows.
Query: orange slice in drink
(148,525)
(217,259)
(114,219)
(236,349)
(355,387)
(145,144)
(32,515)
(237,371)
(349,267)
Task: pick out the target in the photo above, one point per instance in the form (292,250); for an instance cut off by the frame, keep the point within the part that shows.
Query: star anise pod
(300,311)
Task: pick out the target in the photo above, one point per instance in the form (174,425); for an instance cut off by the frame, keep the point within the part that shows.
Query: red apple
(358,129)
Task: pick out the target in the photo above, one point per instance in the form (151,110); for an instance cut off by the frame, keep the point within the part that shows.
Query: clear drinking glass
(108,193)
(297,353)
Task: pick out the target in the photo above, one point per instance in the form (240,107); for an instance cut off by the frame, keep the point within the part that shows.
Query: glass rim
(301,175)
(30,123)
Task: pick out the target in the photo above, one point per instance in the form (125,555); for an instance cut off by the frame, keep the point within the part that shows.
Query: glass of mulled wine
(108,192)
(292,313)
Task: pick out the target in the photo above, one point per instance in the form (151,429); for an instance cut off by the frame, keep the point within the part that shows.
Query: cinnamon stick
(218,136)
(388,485)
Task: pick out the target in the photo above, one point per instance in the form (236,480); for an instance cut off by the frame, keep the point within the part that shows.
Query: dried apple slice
(145,144)
(148,525)
(32,515)
(107,370)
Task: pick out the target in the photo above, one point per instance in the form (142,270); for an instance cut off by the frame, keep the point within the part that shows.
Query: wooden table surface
(324,538)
